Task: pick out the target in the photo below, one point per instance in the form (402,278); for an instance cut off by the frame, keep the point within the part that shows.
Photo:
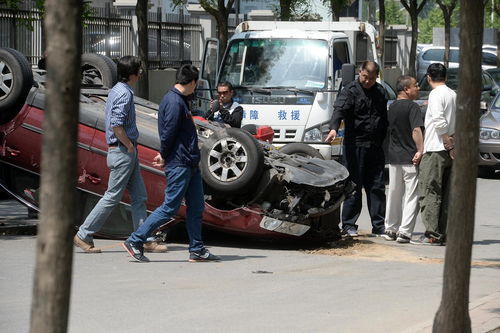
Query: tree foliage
(296,10)
(435,19)
(393,13)
(335,7)
(489,7)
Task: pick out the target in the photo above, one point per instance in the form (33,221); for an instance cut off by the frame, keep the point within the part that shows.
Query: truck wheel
(300,149)
(231,161)
(98,69)
(16,80)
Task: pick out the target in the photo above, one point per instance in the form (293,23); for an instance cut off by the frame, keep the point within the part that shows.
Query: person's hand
(448,142)
(331,136)
(130,148)
(451,152)
(212,103)
(417,158)
(158,161)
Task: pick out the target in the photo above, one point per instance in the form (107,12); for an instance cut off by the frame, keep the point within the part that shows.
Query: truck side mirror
(347,74)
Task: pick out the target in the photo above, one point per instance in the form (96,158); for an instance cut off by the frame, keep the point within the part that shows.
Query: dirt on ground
(364,248)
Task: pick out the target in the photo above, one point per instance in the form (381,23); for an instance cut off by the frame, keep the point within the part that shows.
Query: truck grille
(283,134)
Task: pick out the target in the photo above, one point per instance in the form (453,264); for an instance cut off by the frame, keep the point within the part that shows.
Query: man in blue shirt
(122,159)
(180,154)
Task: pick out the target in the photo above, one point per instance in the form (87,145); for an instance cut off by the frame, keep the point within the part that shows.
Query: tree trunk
(413,47)
(381,32)
(285,11)
(52,281)
(498,47)
(222,35)
(335,8)
(141,10)
(447,25)
(453,312)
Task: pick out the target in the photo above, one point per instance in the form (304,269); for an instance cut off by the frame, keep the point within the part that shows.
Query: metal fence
(172,38)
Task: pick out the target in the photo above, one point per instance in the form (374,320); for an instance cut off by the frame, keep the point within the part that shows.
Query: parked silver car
(433,54)
(489,140)
(489,88)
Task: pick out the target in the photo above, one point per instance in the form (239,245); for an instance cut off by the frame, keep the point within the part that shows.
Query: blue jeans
(182,182)
(124,174)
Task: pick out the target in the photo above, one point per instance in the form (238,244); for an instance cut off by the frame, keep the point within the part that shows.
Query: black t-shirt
(403,116)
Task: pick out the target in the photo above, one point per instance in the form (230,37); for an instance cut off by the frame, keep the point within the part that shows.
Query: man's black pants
(366,168)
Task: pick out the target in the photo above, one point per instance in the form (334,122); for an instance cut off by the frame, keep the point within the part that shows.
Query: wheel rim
(6,80)
(227,160)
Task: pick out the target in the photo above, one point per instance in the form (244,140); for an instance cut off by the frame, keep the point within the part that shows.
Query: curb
(484,315)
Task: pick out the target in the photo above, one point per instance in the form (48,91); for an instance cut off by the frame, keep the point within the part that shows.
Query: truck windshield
(292,63)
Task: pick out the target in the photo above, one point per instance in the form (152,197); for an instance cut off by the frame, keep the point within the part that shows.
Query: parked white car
(433,54)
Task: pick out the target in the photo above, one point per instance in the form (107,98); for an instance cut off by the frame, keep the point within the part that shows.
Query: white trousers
(402,199)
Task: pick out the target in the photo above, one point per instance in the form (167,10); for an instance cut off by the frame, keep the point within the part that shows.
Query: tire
(486,172)
(232,161)
(98,69)
(16,80)
(300,149)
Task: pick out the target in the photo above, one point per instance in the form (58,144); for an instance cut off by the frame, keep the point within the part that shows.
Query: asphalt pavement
(368,285)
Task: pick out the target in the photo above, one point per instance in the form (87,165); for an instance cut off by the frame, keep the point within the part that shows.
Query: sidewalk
(484,315)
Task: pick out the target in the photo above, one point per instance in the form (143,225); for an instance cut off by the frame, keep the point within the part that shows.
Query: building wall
(489,36)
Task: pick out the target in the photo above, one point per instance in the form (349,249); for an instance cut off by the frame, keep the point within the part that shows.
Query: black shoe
(135,252)
(435,236)
(203,255)
(389,235)
(422,240)
(403,238)
(350,232)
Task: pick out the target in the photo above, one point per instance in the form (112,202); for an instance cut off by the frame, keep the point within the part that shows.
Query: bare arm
(418,138)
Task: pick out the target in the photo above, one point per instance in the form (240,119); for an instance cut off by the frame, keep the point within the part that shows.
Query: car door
(154,179)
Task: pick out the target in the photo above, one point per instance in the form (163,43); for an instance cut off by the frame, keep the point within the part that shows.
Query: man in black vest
(362,104)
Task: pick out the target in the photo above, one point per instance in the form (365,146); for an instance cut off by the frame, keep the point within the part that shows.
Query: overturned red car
(251,188)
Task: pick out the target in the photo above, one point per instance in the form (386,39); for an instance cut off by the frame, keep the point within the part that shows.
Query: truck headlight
(489,134)
(317,133)
(312,135)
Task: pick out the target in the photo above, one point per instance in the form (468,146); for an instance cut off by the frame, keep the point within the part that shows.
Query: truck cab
(287,75)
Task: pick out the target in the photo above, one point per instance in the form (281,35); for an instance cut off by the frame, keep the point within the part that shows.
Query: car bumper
(489,154)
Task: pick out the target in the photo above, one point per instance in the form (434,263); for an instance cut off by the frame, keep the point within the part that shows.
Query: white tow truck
(287,75)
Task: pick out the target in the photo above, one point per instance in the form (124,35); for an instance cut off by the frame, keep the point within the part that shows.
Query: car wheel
(486,172)
(98,69)
(16,80)
(231,161)
(300,149)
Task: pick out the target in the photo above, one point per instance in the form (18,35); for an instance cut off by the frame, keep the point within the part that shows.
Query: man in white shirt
(435,168)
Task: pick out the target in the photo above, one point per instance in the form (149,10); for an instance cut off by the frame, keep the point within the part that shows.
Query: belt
(117,143)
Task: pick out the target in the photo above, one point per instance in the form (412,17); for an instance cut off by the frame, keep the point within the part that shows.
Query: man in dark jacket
(362,104)
(179,152)
(225,109)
